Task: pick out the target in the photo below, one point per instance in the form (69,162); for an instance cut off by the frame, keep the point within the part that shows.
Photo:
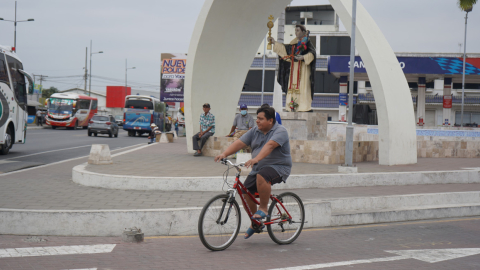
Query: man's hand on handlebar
(220,157)
(251,162)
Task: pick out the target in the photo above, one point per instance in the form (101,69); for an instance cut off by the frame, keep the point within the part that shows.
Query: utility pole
(263,68)
(41,80)
(349,137)
(90,80)
(86,71)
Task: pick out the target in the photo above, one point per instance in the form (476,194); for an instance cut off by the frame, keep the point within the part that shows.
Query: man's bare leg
(264,190)
(251,204)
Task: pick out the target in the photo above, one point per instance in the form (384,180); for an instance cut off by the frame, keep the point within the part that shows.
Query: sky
(54,44)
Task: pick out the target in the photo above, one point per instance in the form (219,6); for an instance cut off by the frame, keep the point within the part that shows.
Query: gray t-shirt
(243,122)
(279,159)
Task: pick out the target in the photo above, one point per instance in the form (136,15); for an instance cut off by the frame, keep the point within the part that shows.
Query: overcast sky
(54,44)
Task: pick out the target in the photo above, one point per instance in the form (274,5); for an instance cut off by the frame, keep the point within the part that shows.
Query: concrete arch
(396,119)
(225,39)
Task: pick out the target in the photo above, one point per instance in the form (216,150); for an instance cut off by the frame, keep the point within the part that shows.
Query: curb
(82,176)
(184,221)
(180,221)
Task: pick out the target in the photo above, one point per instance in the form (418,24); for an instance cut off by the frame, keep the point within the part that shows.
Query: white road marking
(71,159)
(63,149)
(59,250)
(426,255)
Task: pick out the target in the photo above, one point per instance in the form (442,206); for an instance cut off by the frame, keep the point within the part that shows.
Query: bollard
(100,155)
(163,138)
(132,235)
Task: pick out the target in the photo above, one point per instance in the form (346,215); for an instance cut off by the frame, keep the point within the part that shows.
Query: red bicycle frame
(240,187)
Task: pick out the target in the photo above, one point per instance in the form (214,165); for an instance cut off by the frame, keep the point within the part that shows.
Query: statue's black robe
(284,67)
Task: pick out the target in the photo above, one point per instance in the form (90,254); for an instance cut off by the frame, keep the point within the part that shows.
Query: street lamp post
(90,81)
(464,56)
(15,26)
(349,133)
(126,72)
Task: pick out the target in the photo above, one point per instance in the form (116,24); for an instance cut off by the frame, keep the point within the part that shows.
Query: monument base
(305,125)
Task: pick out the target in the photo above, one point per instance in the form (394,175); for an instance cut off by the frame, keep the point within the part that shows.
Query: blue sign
(411,65)
(343,99)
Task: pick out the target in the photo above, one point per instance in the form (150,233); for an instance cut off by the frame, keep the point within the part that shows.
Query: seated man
(271,161)
(243,122)
(207,129)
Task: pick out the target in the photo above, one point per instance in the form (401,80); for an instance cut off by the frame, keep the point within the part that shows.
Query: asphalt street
(44,146)
(444,243)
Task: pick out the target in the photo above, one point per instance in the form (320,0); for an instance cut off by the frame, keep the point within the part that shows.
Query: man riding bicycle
(271,161)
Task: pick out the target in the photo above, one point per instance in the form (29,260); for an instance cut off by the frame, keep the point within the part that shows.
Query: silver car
(104,125)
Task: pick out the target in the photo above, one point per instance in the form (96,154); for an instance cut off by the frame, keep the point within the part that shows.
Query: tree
(46,93)
(466,4)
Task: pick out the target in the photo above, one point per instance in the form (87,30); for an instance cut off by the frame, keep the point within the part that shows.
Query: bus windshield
(60,106)
(138,104)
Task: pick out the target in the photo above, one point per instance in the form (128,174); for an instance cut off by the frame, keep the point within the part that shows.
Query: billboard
(37,89)
(412,65)
(172,77)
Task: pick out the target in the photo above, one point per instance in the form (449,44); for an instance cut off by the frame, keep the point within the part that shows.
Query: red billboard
(116,96)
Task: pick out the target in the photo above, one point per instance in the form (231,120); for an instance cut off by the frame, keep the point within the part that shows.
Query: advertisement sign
(37,89)
(343,99)
(173,77)
(447,102)
(412,65)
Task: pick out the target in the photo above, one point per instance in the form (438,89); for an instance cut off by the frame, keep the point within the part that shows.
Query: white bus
(13,99)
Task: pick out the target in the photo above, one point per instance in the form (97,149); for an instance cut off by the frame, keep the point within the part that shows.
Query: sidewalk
(172,159)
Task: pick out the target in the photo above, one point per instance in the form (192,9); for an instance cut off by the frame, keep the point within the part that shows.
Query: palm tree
(466,4)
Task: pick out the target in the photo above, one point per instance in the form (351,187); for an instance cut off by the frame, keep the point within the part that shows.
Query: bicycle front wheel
(219,223)
(285,232)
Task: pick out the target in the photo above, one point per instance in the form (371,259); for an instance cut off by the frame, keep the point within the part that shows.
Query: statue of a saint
(296,72)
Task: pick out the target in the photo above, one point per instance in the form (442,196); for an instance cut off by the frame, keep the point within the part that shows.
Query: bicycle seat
(256,195)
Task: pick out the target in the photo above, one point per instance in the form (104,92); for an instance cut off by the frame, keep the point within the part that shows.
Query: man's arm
(231,130)
(266,150)
(233,148)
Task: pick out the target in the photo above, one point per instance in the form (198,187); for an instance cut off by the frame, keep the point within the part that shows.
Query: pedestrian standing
(39,118)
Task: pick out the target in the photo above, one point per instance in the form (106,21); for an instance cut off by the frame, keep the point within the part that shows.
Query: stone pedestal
(305,125)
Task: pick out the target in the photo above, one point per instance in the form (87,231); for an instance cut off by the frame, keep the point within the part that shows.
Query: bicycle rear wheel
(219,223)
(286,232)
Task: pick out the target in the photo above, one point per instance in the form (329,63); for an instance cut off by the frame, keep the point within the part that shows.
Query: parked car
(103,124)
(119,120)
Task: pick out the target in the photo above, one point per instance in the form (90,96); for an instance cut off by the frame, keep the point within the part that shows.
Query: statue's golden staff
(270,25)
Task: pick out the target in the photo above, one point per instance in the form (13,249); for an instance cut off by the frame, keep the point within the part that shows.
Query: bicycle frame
(239,187)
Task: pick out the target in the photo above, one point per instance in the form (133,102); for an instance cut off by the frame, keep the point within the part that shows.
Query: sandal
(251,231)
(261,214)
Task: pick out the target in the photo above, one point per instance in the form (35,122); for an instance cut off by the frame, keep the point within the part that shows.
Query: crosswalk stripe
(60,250)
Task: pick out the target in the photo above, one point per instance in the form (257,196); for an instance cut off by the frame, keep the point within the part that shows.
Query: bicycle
(218,227)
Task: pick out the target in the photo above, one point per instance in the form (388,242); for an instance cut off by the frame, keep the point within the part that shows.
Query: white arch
(225,39)
(227,35)
(396,120)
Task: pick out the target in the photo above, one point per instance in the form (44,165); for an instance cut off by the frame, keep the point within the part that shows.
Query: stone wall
(324,152)
(333,152)
(305,125)
(440,149)
(321,152)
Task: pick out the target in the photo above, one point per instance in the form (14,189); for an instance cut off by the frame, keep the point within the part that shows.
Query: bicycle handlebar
(225,161)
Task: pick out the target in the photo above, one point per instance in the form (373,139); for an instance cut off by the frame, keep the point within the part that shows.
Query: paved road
(45,146)
(314,246)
